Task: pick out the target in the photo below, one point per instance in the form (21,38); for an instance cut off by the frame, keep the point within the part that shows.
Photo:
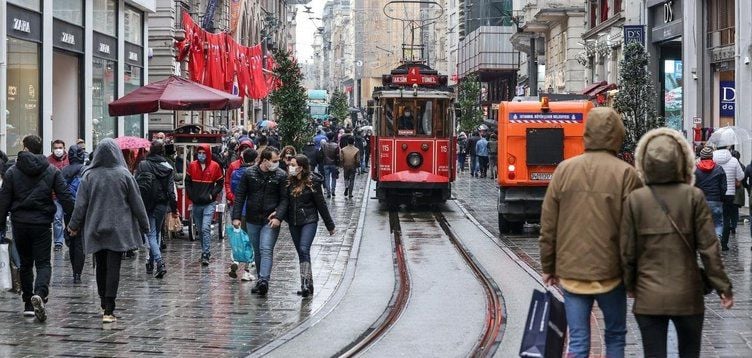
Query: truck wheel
(510,227)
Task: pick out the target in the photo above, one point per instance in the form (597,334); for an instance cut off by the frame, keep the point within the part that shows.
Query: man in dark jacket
(360,143)
(58,159)
(711,179)
(264,190)
(164,174)
(471,143)
(27,193)
(204,182)
(330,154)
(310,151)
(72,175)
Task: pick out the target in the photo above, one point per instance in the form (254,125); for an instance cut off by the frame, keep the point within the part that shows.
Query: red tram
(413,146)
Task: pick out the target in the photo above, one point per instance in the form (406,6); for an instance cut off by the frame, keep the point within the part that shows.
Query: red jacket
(228,179)
(204,184)
(58,163)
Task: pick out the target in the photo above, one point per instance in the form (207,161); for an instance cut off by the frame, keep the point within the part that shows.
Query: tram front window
(412,117)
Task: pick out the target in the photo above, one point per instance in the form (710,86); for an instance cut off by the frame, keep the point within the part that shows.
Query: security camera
(746,60)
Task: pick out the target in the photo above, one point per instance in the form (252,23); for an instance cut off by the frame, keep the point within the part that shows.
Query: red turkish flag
(258,84)
(272,81)
(215,65)
(231,66)
(243,71)
(194,46)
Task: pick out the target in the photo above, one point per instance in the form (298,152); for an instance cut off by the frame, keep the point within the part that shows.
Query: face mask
(58,152)
(201,157)
(408,114)
(293,171)
(272,166)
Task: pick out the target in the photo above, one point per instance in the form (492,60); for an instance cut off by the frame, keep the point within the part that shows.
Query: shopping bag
(242,251)
(6,279)
(545,327)
(174,223)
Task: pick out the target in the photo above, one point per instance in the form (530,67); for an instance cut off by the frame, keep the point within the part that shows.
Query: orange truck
(534,137)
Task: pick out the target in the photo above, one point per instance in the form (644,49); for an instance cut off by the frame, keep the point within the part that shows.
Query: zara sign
(728,98)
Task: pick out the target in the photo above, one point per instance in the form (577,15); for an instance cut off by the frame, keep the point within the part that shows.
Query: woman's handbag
(707,287)
(174,223)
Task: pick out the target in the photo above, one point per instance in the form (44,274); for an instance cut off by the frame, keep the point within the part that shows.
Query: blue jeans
(302,237)
(461,160)
(330,182)
(613,304)
(263,238)
(156,221)
(716,210)
(473,164)
(57,225)
(202,217)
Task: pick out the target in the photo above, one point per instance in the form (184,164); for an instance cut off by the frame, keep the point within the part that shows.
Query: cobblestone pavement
(726,333)
(193,311)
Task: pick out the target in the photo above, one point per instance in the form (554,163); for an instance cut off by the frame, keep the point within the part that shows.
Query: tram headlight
(414,160)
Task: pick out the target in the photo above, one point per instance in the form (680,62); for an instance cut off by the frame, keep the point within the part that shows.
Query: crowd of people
(482,151)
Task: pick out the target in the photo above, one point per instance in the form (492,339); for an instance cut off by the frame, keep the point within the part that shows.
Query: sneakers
(161,271)
(247,276)
(109,318)
(204,260)
(262,287)
(76,278)
(58,247)
(28,310)
(149,268)
(38,305)
(233,270)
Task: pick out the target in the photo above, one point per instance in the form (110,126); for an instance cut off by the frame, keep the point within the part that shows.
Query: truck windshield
(318,110)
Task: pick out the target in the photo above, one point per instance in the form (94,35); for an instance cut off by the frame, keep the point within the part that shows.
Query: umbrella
(126,143)
(366,128)
(728,136)
(268,124)
(174,93)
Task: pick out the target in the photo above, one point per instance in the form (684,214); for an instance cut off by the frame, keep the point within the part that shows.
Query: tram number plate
(541,176)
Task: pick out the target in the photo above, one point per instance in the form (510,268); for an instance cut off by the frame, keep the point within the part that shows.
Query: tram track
(487,342)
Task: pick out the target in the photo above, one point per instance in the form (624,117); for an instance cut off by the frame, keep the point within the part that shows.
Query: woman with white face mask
(306,203)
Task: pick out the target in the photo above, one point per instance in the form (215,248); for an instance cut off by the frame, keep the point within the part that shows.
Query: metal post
(532,68)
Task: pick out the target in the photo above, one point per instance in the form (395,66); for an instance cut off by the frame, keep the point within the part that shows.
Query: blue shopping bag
(545,328)
(242,251)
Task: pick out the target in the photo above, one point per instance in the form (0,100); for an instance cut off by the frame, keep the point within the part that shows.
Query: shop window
(29,4)
(105,17)
(133,26)
(23,92)
(69,10)
(103,92)
(133,79)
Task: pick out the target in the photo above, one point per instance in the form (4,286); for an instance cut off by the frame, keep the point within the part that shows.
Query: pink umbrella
(132,143)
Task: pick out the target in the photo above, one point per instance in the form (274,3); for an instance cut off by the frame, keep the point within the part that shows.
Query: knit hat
(706,153)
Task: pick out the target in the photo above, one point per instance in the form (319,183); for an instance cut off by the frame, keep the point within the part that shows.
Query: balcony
(488,49)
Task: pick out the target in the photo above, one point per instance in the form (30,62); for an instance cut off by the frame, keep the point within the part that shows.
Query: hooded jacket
(711,179)
(657,264)
(109,209)
(592,187)
(76,159)
(264,193)
(245,143)
(306,207)
(165,174)
(204,184)
(731,166)
(28,189)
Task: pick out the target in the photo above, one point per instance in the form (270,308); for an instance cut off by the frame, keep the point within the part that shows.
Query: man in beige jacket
(579,240)
(350,163)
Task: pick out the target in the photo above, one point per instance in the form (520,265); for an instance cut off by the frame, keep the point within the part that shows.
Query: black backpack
(150,189)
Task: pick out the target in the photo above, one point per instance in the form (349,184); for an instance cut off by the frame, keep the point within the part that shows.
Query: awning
(591,87)
(598,88)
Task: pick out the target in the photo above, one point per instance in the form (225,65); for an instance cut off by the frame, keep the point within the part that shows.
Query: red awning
(174,93)
(591,87)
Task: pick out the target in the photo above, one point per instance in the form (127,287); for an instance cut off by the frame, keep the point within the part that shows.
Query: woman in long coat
(113,217)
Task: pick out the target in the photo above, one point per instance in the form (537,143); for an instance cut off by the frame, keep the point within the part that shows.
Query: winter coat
(76,159)
(591,187)
(711,179)
(310,151)
(306,207)
(109,210)
(228,179)
(330,154)
(350,157)
(58,163)
(263,193)
(27,192)
(164,172)
(317,140)
(657,264)
(731,166)
(481,148)
(204,185)
(471,143)
(462,145)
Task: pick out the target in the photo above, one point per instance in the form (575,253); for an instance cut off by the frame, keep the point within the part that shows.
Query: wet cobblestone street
(194,311)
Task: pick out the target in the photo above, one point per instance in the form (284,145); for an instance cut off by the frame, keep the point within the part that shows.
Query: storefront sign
(728,98)
(105,46)
(665,19)
(67,36)
(24,24)
(634,33)
(134,54)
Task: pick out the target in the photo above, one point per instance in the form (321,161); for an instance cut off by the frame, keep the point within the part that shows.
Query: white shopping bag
(6,282)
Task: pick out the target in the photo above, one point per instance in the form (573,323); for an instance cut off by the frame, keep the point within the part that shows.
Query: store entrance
(66,96)
(672,81)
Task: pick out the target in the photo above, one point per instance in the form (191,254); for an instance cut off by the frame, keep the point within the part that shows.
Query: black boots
(306,280)
(76,278)
(161,270)
(149,268)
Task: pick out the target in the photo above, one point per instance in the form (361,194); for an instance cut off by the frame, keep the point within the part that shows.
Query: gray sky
(306,29)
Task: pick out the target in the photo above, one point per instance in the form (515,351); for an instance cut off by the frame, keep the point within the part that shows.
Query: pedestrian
(330,159)
(248,156)
(664,226)
(310,151)
(73,174)
(367,150)
(160,202)
(739,197)
(306,204)
(244,143)
(344,139)
(734,177)
(461,151)
(350,164)
(584,257)
(111,217)
(26,194)
(360,143)
(58,159)
(471,147)
(320,135)
(287,153)
(203,183)
(263,142)
(481,152)
(263,189)
(493,151)
(711,179)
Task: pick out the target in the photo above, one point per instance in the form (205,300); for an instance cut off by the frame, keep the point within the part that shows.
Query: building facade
(62,62)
